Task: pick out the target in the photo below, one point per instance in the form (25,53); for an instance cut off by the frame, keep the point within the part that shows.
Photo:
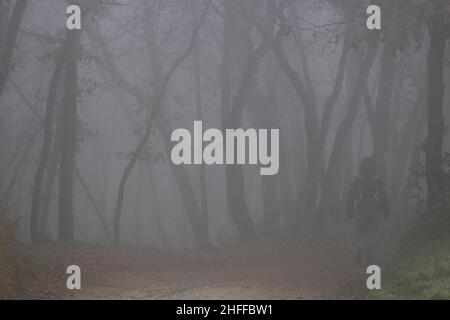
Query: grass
(422,267)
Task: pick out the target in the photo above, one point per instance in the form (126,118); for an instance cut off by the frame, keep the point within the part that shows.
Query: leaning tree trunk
(309,193)
(51,177)
(10,41)
(199,225)
(329,193)
(123,181)
(157,117)
(236,202)
(199,222)
(46,147)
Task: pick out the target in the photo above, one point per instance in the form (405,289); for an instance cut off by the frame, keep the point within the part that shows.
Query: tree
(232,109)
(47,144)
(69,135)
(316,132)
(10,41)
(344,130)
(439,31)
(199,112)
(154,106)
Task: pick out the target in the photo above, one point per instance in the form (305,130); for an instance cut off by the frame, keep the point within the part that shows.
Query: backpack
(368,194)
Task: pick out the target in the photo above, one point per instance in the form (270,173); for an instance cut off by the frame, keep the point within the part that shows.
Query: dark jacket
(367,195)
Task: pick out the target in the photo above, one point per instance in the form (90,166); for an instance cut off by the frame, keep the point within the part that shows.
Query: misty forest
(86,122)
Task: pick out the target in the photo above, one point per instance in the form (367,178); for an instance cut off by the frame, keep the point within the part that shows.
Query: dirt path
(317,268)
(257,273)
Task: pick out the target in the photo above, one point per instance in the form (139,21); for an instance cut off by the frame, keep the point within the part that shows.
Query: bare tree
(10,41)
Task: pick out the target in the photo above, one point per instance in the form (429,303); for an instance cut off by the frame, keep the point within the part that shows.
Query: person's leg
(359,253)
(367,248)
(371,239)
(370,250)
(362,240)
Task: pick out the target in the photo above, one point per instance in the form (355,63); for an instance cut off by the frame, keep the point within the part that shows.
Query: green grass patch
(422,269)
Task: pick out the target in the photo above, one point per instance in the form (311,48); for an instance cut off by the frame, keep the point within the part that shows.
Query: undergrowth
(422,267)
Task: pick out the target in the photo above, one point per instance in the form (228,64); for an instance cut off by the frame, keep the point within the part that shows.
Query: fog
(87,119)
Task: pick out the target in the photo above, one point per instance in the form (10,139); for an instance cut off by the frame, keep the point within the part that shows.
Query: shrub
(10,260)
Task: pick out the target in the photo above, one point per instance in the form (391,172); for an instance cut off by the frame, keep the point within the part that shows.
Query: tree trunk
(198,100)
(46,147)
(404,148)
(88,193)
(182,180)
(271,208)
(123,181)
(236,202)
(10,43)
(199,225)
(51,176)
(312,131)
(417,140)
(4,200)
(329,193)
(69,134)
(138,208)
(272,185)
(435,112)
(287,200)
(348,167)
(383,109)
(157,212)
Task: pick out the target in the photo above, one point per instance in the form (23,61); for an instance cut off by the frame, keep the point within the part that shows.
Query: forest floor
(319,268)
(252,273)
